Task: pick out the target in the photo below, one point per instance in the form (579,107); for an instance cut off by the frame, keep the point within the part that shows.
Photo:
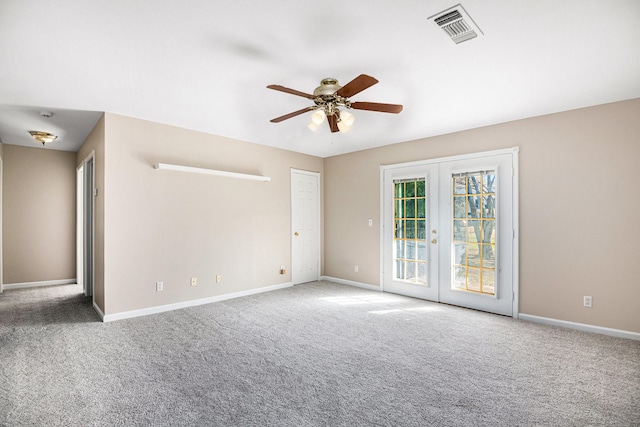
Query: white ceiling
(205,65)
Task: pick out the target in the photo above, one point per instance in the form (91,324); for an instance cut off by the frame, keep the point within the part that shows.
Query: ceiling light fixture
(43,137)
(343,119)
(332,102)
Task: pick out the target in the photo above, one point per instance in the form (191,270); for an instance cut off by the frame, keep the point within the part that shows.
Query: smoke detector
(457,24)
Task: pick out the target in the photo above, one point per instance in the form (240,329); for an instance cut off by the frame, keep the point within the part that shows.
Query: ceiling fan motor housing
(327,98)
(327,87)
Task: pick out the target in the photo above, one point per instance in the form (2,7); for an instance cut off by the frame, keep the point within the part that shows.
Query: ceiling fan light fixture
(342,127)
(313,126)
(42,137)
(318,116)
(347,118)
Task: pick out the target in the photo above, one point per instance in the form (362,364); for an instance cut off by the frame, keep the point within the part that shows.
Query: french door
(449,232)
(410,220)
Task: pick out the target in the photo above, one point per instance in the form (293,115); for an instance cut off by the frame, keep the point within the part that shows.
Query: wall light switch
(370,222)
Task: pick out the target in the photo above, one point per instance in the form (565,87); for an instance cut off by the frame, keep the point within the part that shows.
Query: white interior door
(305,226)
(449,230)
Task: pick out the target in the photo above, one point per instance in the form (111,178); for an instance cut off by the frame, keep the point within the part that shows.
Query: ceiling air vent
(457,24)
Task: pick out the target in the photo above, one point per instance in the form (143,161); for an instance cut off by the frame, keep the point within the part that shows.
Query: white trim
(451,158)
(382,229)
(39,284)
(186,304)
(352,283)
(226,174)
(97,309)
(515,223)
(1,233)
(581,327)
(89,229)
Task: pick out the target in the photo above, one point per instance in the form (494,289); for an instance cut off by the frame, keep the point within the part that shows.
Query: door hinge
(95,192)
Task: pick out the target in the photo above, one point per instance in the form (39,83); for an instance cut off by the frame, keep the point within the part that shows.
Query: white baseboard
(7,286)
(581,326)
(185,304)
(351,283)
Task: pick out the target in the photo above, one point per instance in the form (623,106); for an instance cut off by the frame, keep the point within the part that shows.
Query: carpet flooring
(317,354)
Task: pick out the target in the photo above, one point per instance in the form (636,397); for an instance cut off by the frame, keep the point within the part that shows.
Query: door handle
(434,241)
(296,234)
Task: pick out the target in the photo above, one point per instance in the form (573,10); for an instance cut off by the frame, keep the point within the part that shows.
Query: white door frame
(87,241)
(80,226)
(515,210)
(1,234)
(317,225)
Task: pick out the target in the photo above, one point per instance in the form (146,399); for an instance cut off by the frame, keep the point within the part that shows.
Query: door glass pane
(473,220)
(459,207)
(410,236)
(411,229)
(410,207)
(410,189)
(421,208)
(421,229)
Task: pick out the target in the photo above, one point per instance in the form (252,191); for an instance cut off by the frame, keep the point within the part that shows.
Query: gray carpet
(318,354)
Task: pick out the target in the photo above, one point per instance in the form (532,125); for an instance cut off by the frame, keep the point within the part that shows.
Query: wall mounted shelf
(190,169)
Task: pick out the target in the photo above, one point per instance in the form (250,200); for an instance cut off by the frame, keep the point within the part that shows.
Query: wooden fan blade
(356,85)
(288,116)
(333,122)
(376,106)
(291,91)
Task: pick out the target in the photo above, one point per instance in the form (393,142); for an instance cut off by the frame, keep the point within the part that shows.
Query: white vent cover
(457,24)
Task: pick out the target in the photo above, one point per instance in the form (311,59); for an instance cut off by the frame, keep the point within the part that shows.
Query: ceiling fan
(329,96)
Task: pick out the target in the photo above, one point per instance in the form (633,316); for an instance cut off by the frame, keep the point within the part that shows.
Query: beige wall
(38,221)
(95,144)
(169,226)
(579,209)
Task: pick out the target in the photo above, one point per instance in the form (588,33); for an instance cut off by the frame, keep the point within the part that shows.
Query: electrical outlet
(282,270)
(355,269)
(587,301)
(218,278)
(159,286)
(194,281)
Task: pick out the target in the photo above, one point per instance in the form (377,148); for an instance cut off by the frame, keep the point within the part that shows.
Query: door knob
(434,241)
(296,234)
